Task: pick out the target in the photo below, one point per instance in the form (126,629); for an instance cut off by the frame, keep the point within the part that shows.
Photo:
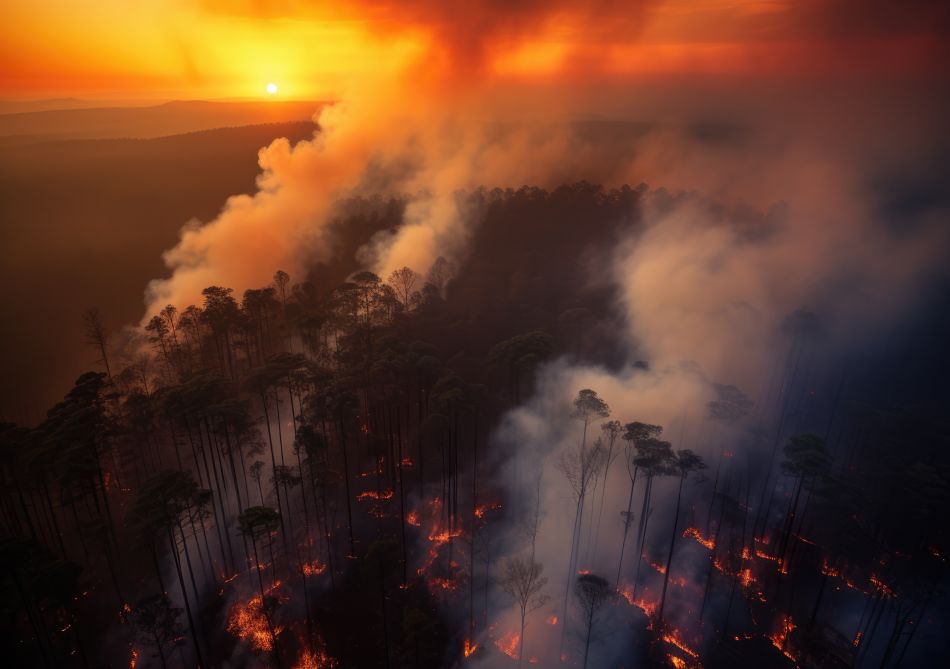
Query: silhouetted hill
(84,223)
(170,118)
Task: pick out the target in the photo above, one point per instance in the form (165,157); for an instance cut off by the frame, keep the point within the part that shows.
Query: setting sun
(271,88)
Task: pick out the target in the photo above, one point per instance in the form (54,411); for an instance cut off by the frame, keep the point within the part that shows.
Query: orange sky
(233,48)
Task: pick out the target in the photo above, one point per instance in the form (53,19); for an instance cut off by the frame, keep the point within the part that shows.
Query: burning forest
(580,337)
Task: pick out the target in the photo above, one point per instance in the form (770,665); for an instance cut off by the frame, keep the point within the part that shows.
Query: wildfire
(372,494)
(677,662)
(509,644)
(469,648)
(552,620)
(674,639)
(314,568)
(413,519)
(317,660)
(857,639)
(248,623)
(660,568)
(780,638)
(484,508)
(708,542)
(648,608)
(133,659)
(881,587)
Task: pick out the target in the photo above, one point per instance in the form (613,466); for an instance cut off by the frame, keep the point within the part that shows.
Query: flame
(248,623)
(413,519)
(780,638)
(314,568)
(660,568)
(881,587)
(481,510)
(469,648)
(134,658)
(372,494)
(552,620)
(857,639)
(675,639)
(708,542)
(677,662)
(648,608)
(509,644)
(314,660)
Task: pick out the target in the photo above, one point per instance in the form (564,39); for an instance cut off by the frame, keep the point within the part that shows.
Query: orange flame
(708,542)
(469,648)
(509,644)
(248,623)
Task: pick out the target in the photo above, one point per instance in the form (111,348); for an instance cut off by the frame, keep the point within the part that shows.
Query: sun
(271,88)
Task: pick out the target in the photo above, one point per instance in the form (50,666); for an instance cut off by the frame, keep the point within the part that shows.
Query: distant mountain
(73,121)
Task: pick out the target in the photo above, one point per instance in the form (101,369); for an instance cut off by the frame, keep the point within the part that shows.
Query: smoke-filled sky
(233,48)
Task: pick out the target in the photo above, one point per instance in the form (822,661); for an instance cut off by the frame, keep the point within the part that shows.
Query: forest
(341,469)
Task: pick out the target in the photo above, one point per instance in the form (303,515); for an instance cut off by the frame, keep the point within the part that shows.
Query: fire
(509,644)
(827,569)
(372,494)
(677,662)
(133,659)
(469,648)
(481,510)
(708,542)
(857,639)
(881,587)
(552,620)
(248,623)
(314,568)
(674,639)
(648,608)
(780,638)
(660,568)
(413,519)
(317,660)
(583,572)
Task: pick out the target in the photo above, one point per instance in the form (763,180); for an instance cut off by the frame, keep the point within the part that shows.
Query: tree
(633,433)
(593,593)
(686,462)
(523,582)
(580,466)
(157,626)
(97,335)
(255,523)
(403,282)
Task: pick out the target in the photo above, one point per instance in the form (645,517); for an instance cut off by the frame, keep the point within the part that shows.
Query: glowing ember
(317,660)
(583,572)
(708,542)
(469,648)
(881,587)
(314,568)
(372,494)
(780,638)
(675,639)
(857,639)
(509,644)
(413,519)
(248,623)
(660,568)
(552,620)
(481,510)
(648,608)
(134,658)
(677,662)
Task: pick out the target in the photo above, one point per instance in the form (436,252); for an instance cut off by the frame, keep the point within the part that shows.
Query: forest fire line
(708,542)
(780,638)
(381,495)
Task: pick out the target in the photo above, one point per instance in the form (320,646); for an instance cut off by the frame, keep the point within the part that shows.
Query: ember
(249,623)
(469,648)
(709,543)
(509,644)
